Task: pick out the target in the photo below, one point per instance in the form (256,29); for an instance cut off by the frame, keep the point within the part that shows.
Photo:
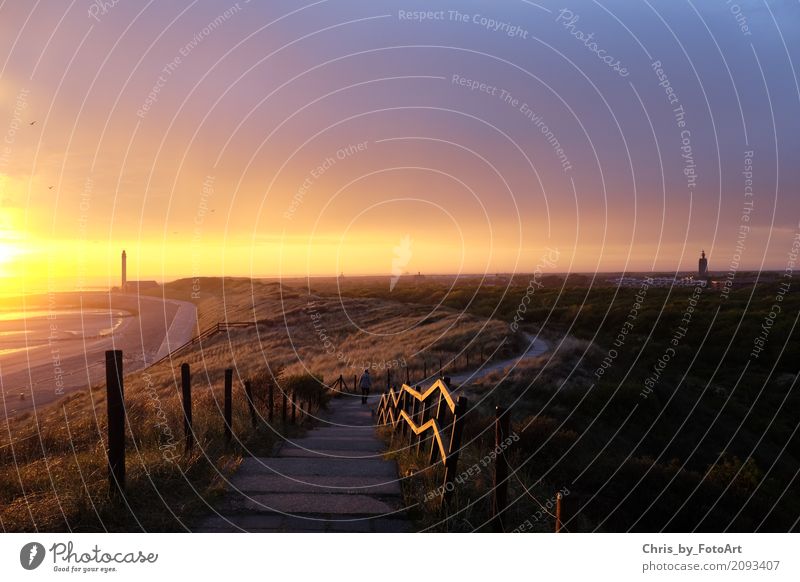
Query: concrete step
(312,503)
(336,443)
(294,451)
(302,467)
(313,523)
(315,484)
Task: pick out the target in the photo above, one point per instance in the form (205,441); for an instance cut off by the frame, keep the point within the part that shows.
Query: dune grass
(53,472)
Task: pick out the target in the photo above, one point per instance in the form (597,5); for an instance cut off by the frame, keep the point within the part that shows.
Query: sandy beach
(52,352)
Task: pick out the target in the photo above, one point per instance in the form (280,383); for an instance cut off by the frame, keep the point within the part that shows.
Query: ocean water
(23,330)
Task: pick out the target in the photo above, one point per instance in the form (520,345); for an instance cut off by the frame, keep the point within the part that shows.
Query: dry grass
(566,370)
(57,480)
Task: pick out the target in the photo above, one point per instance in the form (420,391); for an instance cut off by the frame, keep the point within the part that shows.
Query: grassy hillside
(705,440)
(54,477)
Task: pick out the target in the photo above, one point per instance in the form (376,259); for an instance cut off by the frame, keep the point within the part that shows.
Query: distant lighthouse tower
(702,265)
(124,271)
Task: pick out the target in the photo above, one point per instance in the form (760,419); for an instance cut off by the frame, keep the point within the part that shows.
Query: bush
(306,387)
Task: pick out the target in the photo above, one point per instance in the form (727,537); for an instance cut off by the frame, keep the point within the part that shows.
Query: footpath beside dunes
(334,479)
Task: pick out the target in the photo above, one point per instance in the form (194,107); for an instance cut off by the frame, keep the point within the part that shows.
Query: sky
(281,139)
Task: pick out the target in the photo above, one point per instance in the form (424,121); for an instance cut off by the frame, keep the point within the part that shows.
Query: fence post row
(451,464)
(228,405)
(502,426)
(115,401)
(186,386)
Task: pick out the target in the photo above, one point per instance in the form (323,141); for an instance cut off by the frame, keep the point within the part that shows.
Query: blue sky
(137,104)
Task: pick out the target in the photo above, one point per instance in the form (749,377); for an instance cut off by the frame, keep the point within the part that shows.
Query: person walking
(365,384)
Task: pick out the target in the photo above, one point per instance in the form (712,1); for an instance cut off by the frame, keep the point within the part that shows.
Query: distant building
(687,281)
(133,286)
(702,266)
(138,286)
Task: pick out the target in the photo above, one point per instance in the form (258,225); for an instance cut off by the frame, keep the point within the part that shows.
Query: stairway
(334,479)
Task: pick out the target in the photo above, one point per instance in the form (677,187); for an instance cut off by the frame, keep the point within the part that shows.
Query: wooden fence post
(502,425)
(451,464)
(434,446)
(248,392)
(186,385)
(228,405)
(294,407)
(115,403)
(559,498)
(283,407)
(425,416)
(420,420)
(406,405)
(412,436)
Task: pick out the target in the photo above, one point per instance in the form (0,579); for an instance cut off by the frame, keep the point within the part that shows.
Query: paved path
(536,348)
(334,479)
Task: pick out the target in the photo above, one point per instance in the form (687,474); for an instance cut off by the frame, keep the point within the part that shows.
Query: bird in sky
(32,123)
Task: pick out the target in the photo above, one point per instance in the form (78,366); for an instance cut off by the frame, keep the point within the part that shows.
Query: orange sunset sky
(273,140)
